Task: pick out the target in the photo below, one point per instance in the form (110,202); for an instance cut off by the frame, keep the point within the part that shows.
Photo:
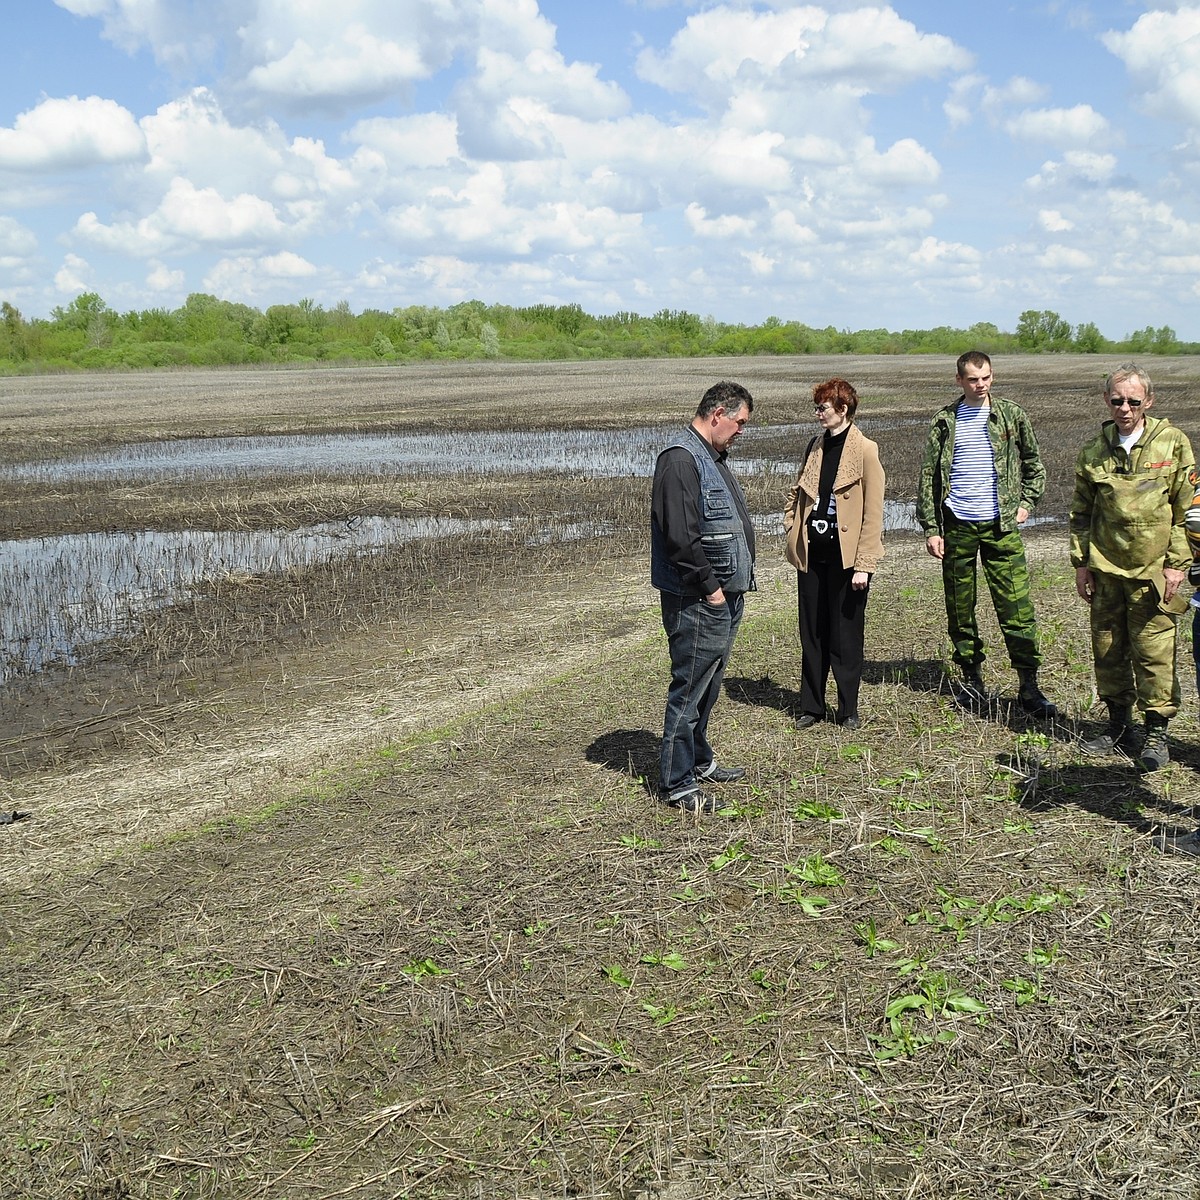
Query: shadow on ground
(632,752)
(763,692)
(1112,789)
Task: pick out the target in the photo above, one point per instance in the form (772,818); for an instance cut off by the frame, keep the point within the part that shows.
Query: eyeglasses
(1117,401)
(820,408)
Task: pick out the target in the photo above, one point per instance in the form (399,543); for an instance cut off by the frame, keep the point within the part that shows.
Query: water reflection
(585,452)
(60,594)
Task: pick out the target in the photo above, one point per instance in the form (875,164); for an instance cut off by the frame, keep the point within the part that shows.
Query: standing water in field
(59,594)
(62,593)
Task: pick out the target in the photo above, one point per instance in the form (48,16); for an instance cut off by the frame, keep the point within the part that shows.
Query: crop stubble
(327,906)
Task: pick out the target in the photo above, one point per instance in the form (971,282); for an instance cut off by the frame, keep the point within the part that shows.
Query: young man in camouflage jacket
(1134,483)
(981,478)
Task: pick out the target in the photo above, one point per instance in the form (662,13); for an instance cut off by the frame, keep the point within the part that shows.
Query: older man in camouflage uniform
(1133,487)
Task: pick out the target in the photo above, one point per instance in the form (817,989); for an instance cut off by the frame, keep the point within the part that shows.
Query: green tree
(1089,339)
(1165,341)
(1044,330)
(13,344)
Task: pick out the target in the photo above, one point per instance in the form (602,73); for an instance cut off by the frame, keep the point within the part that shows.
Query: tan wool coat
(858,488)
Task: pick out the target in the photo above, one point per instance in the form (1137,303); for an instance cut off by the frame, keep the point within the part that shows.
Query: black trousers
(832,619)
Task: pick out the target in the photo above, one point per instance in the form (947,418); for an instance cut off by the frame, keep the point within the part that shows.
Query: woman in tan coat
(834,526)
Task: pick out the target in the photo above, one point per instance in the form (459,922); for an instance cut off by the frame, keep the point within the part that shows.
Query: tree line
(206,331)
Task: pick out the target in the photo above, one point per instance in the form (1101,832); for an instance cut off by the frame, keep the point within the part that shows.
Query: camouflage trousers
(1133,645)
(1007,575)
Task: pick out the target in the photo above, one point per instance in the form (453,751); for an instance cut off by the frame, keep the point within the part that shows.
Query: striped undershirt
(973,495)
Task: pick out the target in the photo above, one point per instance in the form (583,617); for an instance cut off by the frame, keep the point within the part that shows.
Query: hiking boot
(1032,699)
(1188,844)
(716,774)
(971,692)
(1154,755)
(1117,734)
(694,800)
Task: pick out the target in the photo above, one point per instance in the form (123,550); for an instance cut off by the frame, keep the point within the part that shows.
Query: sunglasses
(1117,401)
(820,408)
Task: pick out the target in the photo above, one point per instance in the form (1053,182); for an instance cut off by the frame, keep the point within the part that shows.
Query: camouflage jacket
(1020,476)
(1129,510)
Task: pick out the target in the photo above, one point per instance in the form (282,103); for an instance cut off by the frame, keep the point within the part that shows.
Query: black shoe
(1117,734)
(1032,699)
(971,692)
(1188,844)
(1154,755)
(850,723)
(716,774)
(694,801)
(806,721)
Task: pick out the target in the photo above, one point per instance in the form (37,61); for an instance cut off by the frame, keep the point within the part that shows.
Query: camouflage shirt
(1020,476)
(1129,509)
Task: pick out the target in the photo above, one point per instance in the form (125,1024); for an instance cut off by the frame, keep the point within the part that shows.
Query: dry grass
(391,913)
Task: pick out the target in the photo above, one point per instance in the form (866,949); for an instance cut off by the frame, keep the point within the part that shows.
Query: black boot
(1032,699)
(1154,755)
(972,692)
(1117,734)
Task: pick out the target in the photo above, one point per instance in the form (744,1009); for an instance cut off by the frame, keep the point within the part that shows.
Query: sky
(901,167)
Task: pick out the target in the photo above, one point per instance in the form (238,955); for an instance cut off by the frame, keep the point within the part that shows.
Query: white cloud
(934,253)
(1064,258)
(905,164)
(761,265)
(1078,168)
(788,230)
(188,216)
(252,278)
(16,241)
(73,276)
(287,265)
(1053,221)
(1162,53)
(353,65)
(1017,92)
(161,278)
(65,134)
(425,140)
(191,136)
(869,49)
(958,105)
(718,227)
(1076,126)
(177,32)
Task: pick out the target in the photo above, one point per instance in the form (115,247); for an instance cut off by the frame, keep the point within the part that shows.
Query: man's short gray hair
(1129,371)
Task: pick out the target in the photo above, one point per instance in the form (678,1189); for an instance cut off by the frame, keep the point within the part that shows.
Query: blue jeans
(699,637)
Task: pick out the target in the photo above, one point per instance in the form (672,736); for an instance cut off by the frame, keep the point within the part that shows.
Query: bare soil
(383,905)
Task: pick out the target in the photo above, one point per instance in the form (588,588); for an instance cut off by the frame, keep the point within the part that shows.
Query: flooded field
(140,507)
(62,593)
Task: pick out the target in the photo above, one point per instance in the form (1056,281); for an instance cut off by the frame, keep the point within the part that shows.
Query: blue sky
(903,166)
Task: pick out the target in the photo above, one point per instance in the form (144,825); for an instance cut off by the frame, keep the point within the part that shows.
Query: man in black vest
(702,563)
